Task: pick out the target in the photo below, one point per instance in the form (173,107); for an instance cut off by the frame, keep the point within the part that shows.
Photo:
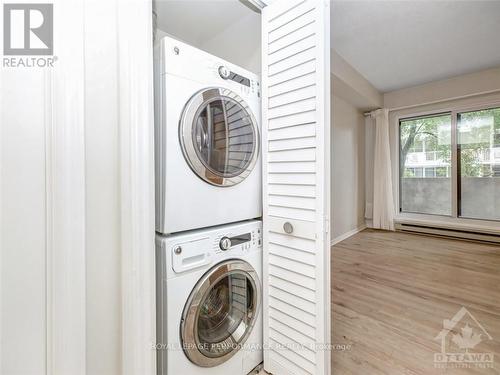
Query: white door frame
(137,187)
(136,129)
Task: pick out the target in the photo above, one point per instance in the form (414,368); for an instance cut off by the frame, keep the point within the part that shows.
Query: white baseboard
(346,235)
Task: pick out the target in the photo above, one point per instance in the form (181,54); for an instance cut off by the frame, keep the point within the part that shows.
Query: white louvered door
(296,186)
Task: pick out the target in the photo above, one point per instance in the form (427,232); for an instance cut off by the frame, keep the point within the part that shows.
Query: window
(478,186)
(425,180)
(417,146)
(430,155)
(426,164)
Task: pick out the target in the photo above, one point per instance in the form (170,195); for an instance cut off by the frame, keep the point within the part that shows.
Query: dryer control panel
(247,85)
(182,60)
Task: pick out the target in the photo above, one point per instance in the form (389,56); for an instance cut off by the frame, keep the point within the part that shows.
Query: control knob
(224,72)
(225,243)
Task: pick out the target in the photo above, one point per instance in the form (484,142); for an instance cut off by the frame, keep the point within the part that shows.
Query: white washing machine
(209,300)
(208,168)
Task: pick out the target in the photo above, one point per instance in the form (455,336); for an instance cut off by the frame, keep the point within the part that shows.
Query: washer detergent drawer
(190,255)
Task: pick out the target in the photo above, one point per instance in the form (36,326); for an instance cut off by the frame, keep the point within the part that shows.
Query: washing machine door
(220,313)
(219,136)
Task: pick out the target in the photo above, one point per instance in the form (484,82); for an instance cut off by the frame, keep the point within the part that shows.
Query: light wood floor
(392,291)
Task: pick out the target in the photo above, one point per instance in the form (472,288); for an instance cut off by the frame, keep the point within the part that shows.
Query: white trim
(346,235)
(65,195)
(135,62)
(444,100)
(324,163)
(259,4)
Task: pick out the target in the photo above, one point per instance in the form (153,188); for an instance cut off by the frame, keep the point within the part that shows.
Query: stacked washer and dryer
(208,199)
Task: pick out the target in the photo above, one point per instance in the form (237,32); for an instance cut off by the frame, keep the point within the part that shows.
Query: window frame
(454,111)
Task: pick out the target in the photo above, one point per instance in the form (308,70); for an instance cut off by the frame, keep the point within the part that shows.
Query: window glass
(479,171)
(425,158)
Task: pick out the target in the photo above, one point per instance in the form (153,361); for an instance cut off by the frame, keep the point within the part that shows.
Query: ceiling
(393,44)
(397,44)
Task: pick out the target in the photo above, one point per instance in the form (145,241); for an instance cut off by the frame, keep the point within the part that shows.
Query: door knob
(288,227)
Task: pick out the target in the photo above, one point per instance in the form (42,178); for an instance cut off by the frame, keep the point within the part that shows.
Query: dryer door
(219,136)
(220,313)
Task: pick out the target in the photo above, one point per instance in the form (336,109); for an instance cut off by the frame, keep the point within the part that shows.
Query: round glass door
(220,313)
(219,137)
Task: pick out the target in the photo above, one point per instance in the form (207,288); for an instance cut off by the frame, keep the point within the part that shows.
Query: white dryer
(209,319)
(208,168)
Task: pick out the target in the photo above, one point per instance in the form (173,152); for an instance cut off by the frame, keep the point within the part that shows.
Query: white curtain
(380,200)
(369,152)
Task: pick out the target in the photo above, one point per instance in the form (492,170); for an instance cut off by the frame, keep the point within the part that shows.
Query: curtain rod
(366,114)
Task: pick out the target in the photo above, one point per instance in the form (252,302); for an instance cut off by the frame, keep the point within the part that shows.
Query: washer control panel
(238,241)
(203,247)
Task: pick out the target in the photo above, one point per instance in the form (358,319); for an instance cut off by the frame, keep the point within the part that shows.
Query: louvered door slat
(291,50)
(292,191)
(292,37)
(292,96)
(294,10)
(296,202)
(293,72)
(286,252)
(291,300)
(299,118)
(295,167)
(305,18)
(293,61)
(297,131)
(285,308)
(291,85)
(295,146)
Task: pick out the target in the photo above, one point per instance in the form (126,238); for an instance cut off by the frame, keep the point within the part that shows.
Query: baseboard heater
(467,234)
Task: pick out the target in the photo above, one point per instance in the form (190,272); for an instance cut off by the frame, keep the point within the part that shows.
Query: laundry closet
(242,186)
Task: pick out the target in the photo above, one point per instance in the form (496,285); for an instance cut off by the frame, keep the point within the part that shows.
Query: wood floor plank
(392,291)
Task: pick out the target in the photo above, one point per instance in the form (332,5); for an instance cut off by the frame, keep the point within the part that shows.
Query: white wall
(239,43)
(352,95)
(352,86)
(348,181)
(467,85)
